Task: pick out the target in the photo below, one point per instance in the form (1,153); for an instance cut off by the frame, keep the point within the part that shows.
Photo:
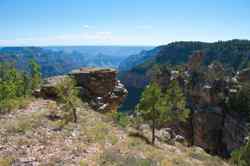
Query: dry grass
(29,134)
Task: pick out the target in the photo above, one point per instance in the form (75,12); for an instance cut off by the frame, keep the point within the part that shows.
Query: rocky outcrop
(207,129)
(235,132)
(214,128)
(244,75)
(218,132)
(97,81)
(48,89)
(211,126)
(98,86)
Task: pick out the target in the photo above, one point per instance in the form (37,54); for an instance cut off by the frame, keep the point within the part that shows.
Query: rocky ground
(31,137)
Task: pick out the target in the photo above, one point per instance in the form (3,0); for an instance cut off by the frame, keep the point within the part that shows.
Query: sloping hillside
(137,59)
(32,136)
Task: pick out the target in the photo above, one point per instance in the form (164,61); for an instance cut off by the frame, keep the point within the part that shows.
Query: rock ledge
(98,85)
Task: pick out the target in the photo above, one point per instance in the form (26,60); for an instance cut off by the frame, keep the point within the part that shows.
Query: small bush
(121,118)
(241,156)
(9,105)
(68,98)
(22,124)
(98,132)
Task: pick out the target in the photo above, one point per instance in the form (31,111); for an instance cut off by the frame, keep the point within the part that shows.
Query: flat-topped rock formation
(98,81)
(98,85)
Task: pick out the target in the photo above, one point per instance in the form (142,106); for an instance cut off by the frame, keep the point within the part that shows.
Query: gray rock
(179,138)
(163,135)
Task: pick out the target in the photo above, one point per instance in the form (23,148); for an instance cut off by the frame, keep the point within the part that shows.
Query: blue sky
(121,22)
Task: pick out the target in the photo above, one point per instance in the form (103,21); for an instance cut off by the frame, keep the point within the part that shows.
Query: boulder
(145,130)
(163,135)
(180,139)
(48,89)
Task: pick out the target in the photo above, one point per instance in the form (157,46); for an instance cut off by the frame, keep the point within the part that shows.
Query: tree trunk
(74,112)
(153,132)
(74,115)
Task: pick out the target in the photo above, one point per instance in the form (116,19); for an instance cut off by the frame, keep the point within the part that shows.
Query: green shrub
(16,85)
(98,132)
(241,156)
(122,119)
(240,102)
(13,104)
(24,123)
(68,98)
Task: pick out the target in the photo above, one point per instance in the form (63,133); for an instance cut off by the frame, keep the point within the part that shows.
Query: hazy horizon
(93,45)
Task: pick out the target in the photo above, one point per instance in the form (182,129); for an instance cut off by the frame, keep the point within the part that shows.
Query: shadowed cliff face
(211,126)
(207,88)
(98,85)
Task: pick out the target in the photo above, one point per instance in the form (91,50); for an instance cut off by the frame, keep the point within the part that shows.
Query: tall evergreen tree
(158,108)
(35,72)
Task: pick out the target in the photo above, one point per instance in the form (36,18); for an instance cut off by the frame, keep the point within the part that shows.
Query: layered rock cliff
(98,86)
(211,125)
(218,131)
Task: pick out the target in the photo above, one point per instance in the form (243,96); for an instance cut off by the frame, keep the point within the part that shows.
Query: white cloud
(77,38)
(88,26)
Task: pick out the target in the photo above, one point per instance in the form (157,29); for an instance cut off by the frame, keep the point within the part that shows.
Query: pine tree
(148,108)
(13,87)
(175,102)
(158,108)
(68,97)
(35,72)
